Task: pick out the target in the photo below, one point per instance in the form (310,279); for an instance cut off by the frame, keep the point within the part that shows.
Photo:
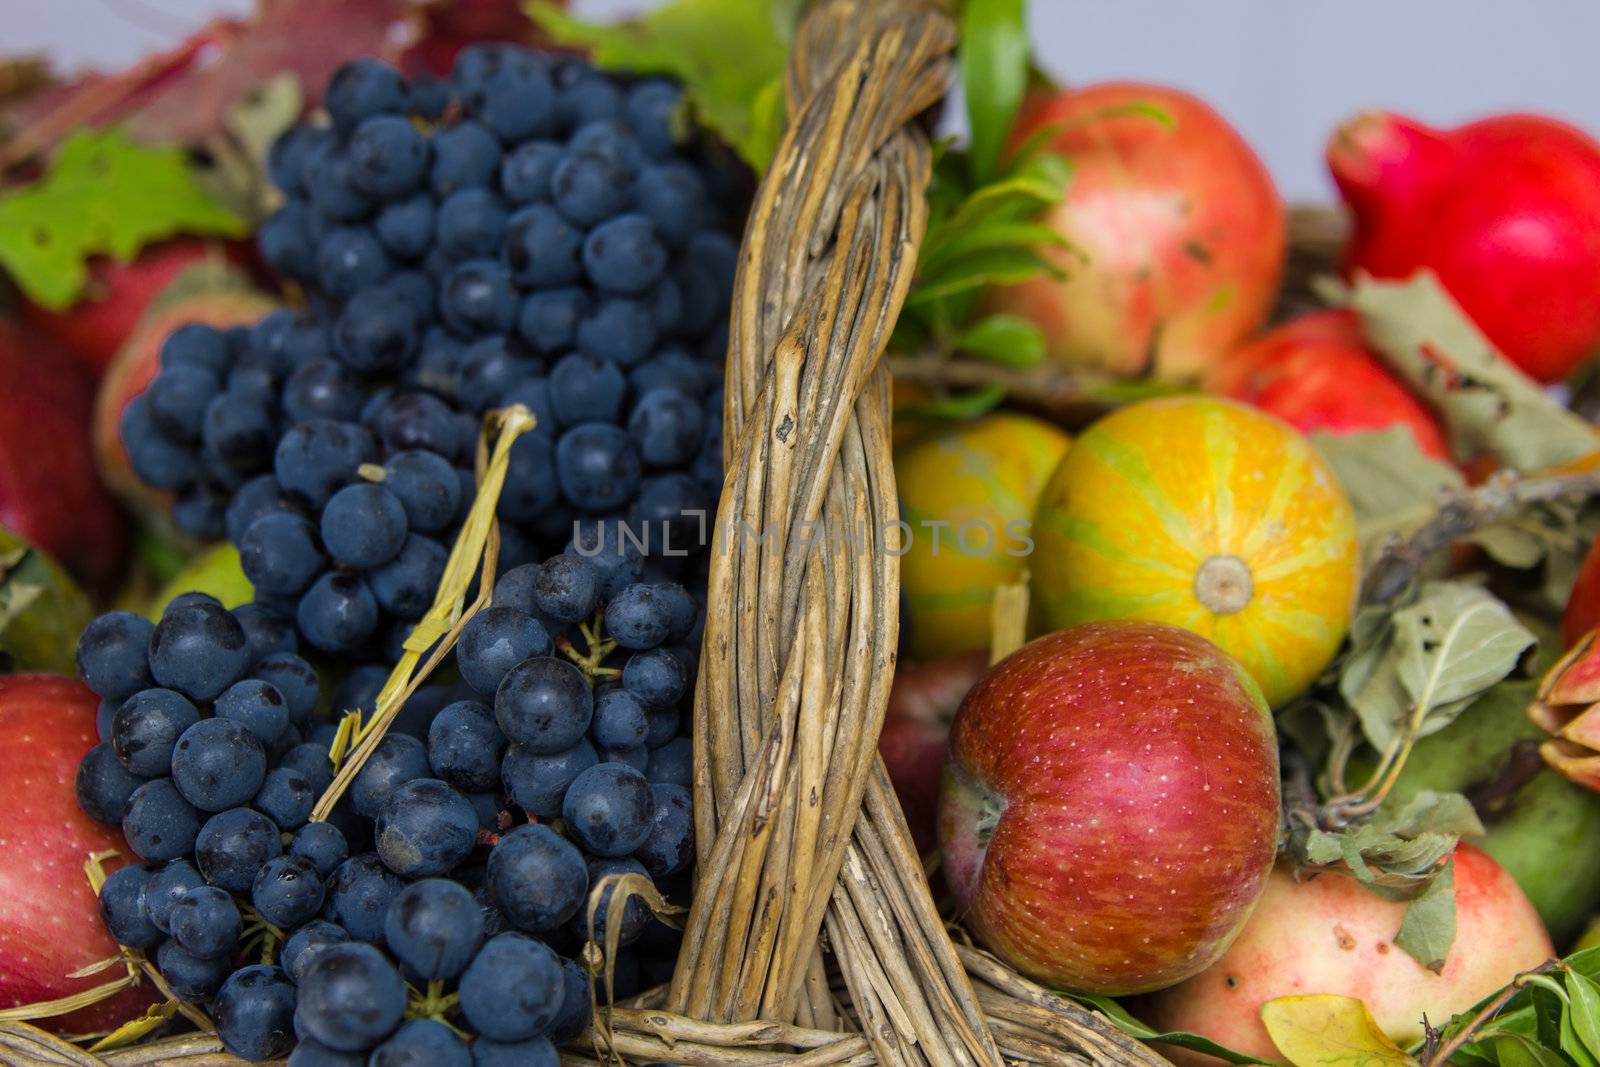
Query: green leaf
(103,194)
(1000,266)
(1488,404)
(1325,1030)
(989,236)
(994,73)
(1023,193)
(1391,484)
(1451,644)
(42,610)
(728,54)
(1584,1010)
(1128,1024)
(1429,927)
(1001,338)
(1571,1043)
(1516,1051)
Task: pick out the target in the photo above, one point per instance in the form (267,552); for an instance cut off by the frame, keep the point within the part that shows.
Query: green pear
(213,570)
(1541,827)
(42,610)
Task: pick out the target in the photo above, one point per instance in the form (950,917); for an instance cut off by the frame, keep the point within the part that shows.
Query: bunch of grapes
(528,232)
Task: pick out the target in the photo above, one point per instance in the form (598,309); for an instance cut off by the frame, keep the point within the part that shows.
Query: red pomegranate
(1178,234)
(1315,372)
(1506,211)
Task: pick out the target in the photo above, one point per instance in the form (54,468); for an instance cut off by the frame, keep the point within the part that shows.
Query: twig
(1467,1033)
(1051,389)
(1461,512)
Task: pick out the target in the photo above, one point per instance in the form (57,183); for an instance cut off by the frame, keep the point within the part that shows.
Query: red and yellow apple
(916,734)
(1110,808)
(1331,934)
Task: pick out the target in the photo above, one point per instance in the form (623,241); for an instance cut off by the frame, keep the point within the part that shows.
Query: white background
(1284,71)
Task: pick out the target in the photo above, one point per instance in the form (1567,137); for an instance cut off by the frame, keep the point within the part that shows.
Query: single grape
(584,387)
(494,641)
(287,891)
(358,895)
(534,1052)
(178,398)
(672,763)
(280,554)
(576,1010)
(635,916)
(651,107)
(422,1043)
(609,809)
(265,632)
(667,424)
(512,990)
(191,978)
(538,878)
(294,679)
(158,823)
(465,746)
(233,845)
(285,797)
(525,171)
(544,704)
(597,465)
(620,720)
(624,255)
(351,997)
(338,614)
(669,848)
(255,705)
(145,728)
(621,329)
(477,298)
(310,761)
(639,616)
(434,928)
(470,222)
(548,319)
(387,156)
(320,844)
(656,677)
(122,907)
(361,88)
(364,525)
(406,226)
(377,331)
(254,1012)
(542,247)
(316,457)
(238,429)
(205,922)
(416,420)
(322,389)
(405,587)
(218,764)
(302,946)
(537,783)
(588,187)
(199,649)
(350,259)
(465,154)
(397,759)
(425,828)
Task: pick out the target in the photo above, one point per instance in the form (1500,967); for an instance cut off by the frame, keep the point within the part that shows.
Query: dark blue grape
(302,946)
(622,329)
(650,109)
(351,997)
(530,488)
(548,319)
(158,461)
(322,389)
(405,587)
(667,424)
(588,187)
(295,680)
(588,96)
(636,757)
(637,617)
(286,797)
(280,554)
(205,922)
(198,649)
(285,242)
(105,713)
(317,456)
(567,588)
(544,704)
(664,724)
(218,764)
(597,466)
(196,344)
(387,156)
(338,613)
(320,844)
(538,784)
(624,255)
(477,298)
(426,486)
(611,549)
(494,641)
(669,848)
(516,99)
(364,525)
(361,88)
(489,369)
(122,907)
(534,1052)
(672,763)
(255,705)
(416,420)
(515,588)
(376,332)
(265,632)
(620,720)
(254,1013)
(417,290)
(576,1010)
(239,431)
(287,891)
(513,988)
(465,154)
(538,877)
(425,828)
(112,655)
(177,400)
(434,928)
(191,978)
(585,387)
(286,157)
(398,758)
(163,889)
(430,96)
(541,247)
(147,726)
(406,226)
(360,688)
(470,222)
(525,172)
(313,1053)
(158,823)
(635,916)
(350,259)
(608,809)
(198,513)
(358,895)
(422,1043)
(233,845)
(673,197)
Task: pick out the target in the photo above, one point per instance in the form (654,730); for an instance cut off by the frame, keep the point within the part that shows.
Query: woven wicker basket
(813,937)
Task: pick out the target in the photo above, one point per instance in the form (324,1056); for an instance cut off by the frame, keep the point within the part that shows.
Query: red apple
(1583,603)
(136,365)
(50,492)
(118,295)
(1110,808)
(1331,934)
(916,733)
(1316,372)
(49,918)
